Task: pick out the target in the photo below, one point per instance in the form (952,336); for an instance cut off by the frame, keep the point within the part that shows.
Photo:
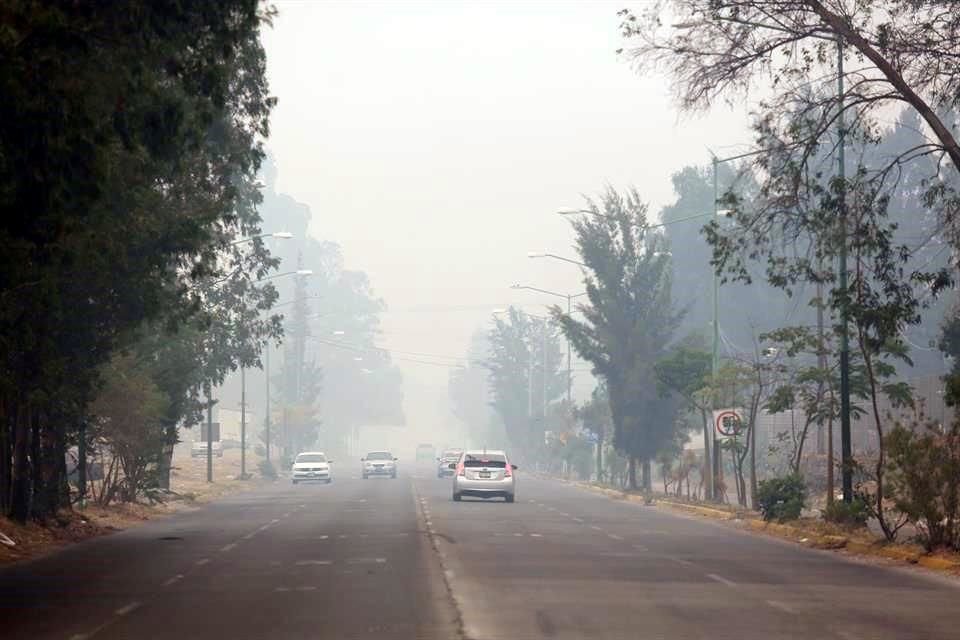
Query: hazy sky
(436,140)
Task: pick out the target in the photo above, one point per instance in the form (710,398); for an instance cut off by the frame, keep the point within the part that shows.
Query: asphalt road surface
(385,558)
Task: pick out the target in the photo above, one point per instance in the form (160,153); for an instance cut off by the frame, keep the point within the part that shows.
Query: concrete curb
(707,512)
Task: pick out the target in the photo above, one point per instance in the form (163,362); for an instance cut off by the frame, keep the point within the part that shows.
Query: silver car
(484,474)
(379,463)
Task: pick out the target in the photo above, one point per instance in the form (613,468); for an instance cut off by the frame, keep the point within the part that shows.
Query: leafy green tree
(685,370)
(629,322)
(526,375)
(119,181)
(467,389)
(595,417)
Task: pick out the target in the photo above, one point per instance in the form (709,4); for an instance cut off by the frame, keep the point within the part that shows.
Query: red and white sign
(728,422)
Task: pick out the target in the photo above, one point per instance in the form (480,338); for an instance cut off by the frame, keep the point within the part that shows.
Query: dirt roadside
(189,487)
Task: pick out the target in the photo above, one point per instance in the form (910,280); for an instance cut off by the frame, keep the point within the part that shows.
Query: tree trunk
(647,476)
(20,481)
(6,455)
(51,472)
(753,464)
(632,474)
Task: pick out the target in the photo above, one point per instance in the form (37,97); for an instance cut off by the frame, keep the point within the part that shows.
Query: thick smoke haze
(435,142)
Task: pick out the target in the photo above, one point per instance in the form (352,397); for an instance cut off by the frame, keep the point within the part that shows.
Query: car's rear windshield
(311,457)
(453,453)
(485,460)
(379,455)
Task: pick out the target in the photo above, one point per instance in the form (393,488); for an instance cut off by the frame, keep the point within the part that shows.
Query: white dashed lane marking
(776,604)
(614,536)
(721,579)
(367,561)
(595,527)
(304,563)
(228,547)
(122,611)
(174,579)
(202,561)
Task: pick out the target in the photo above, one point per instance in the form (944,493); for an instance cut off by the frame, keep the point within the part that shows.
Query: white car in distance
(312,466)
(378,463)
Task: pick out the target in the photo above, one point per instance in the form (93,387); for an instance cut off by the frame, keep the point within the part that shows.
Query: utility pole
(267,402)
(569,366)
(243,423)
(714,453)
(846,444)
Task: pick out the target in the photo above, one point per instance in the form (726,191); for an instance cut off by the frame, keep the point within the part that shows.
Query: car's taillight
(461,470)
(508,471)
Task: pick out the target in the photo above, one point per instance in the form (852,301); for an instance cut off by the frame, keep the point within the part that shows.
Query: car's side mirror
(514,467)
(329,461)
(452,465)
(395,459)
(363,459)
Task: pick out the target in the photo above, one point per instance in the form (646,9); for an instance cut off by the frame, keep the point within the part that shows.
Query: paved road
(398,559)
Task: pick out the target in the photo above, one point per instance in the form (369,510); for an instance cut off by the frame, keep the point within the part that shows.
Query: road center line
(122,611)
(721,579)
(175,578)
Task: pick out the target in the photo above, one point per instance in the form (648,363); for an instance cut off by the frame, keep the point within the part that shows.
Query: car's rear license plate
(485,475)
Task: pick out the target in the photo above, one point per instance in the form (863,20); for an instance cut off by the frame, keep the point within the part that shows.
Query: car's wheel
(329,480)
(509,497)
(456,497)
(294,482)
(393,475)
(365,476)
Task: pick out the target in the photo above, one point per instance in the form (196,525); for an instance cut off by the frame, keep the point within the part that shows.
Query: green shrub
(781,499)
(924,481)
(850,514)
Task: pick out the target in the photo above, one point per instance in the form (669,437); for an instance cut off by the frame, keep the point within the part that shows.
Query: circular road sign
(729,423)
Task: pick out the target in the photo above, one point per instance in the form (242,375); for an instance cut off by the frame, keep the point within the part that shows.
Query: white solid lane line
(721,579)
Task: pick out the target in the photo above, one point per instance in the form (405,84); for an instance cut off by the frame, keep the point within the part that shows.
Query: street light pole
(569,365)
(569,298)
(267,402)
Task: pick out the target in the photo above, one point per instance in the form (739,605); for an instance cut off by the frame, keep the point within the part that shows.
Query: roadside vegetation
(855,163)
